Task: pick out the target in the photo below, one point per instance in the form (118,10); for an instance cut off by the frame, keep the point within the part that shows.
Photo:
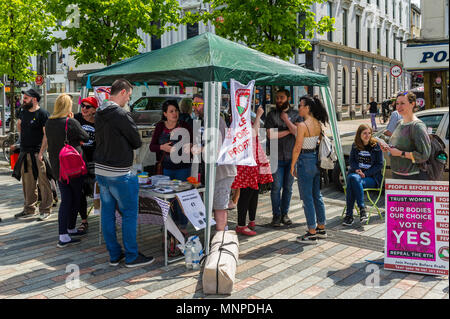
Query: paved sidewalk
(271,264)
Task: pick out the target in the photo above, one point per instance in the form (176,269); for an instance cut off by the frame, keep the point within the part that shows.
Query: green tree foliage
(106,31)
(25,28)
(267,25)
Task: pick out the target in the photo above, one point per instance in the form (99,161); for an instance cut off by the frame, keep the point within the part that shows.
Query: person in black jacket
(366,162)
(116,136)
(55,131)
(86,118)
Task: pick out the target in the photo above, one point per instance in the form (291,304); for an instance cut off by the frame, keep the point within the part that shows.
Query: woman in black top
(87,120)
(70,192)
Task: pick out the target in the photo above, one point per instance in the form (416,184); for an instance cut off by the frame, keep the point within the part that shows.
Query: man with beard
(281,125)
(30,166)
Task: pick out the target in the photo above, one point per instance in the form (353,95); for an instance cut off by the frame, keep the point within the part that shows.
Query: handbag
(327,153)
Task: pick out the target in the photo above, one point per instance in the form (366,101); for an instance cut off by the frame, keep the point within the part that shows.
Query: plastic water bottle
(197,252)
(188,254)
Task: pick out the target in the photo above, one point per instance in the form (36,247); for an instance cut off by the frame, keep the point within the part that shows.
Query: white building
(358,55)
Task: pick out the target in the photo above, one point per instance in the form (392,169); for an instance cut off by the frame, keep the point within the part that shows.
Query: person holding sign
(281,125)
(248,179)
(410,144)
(366,162)
(308,177)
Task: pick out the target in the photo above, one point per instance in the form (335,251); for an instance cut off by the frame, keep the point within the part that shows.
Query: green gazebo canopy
(206,58)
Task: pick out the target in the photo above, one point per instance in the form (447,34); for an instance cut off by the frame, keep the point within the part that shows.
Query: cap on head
(32,93)
(91,100)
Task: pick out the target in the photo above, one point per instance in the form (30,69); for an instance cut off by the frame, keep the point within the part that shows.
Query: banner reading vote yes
(417,226)
(237,147)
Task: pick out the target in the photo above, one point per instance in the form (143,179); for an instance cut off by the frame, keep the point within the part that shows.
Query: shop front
(432,59)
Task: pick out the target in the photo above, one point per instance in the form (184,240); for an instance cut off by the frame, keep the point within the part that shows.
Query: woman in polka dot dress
(247,180)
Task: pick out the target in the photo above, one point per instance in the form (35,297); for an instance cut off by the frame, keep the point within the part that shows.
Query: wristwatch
(403,154)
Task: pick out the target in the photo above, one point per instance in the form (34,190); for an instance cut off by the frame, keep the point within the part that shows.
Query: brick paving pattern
(272,265)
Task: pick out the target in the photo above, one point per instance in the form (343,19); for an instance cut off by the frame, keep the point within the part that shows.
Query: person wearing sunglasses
(86,118)
(410,144)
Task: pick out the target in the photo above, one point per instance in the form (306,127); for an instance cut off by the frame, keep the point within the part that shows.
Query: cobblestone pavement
(271,264)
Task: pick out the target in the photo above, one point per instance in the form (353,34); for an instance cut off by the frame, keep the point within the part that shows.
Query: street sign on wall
(39,80)
(426,57)
(396,71)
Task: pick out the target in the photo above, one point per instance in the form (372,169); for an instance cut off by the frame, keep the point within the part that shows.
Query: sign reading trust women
(417,226)
(237,147)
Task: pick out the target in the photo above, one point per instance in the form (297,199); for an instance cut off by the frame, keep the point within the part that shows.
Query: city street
(272,265)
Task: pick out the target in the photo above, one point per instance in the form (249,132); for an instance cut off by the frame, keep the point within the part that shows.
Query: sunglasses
(86,106)
(197,104)
(402,93)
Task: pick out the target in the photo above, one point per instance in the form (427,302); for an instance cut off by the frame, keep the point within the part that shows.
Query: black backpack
(435,165)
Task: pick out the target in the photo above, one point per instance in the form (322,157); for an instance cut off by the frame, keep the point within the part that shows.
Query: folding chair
(367,191)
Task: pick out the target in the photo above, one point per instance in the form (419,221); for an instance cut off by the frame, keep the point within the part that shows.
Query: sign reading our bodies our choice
(237,147)
(417,226)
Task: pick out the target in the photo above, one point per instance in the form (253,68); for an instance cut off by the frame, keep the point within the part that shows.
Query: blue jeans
(181,174)
(373,121)
(282,178)
(309,189)
(355,190)
(122,191)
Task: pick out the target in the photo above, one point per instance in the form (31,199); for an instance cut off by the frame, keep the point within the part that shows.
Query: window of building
(191,30)
(344,26)
(378,40)
(395,46)
(386,6)
(378,3)
(358,31)
(155,42)
(393,9)
(369,39)
(344,86)
(400,12)
(357,87)
(330,14)
(387,43)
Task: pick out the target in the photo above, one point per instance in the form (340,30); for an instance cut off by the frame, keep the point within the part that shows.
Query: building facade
(359,54)
(429,54)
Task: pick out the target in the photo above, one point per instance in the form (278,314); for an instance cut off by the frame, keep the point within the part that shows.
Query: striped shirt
(110,171)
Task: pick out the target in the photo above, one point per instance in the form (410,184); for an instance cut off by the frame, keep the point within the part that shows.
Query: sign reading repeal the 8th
(417,226)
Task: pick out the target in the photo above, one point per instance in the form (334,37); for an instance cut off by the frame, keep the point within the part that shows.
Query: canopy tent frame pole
(212,93)
(328,101)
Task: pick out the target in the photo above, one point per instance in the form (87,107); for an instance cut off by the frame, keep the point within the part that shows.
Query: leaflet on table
(193,208)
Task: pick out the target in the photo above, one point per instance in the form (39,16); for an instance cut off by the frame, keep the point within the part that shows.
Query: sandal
(83,227)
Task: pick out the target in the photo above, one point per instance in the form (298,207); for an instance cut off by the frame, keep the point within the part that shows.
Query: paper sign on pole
(237,147)
(417,226)
(102,93)
(194,208)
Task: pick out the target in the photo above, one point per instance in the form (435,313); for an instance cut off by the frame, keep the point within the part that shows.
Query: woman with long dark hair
(168,133)
(305,159)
